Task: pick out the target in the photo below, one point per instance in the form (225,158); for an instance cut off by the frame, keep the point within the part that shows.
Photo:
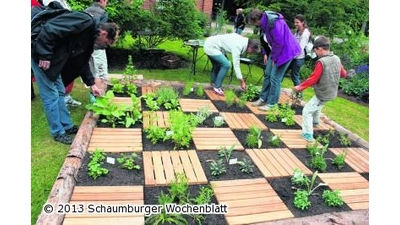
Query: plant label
(110,160)
(191,89)
(219,118)
(283,120)
(274,138)
(232,161)
(169,133)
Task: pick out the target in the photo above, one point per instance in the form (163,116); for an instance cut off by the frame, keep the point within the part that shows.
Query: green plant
(301,200)
(188,88)
(155,133)
(200,90)
(230,97)
(164,217)
(218,121)
(332,198)
(245,166)
(204,196)
(251,93)
(273,114)
(275,140)
(287,115)
(253,138)
(118,88)
(168,97)
(225,152)
(344,139)
(339,160)
(131,89)
(181,126)
(299,178)
(179,189)
(128,161)
(217,167)
(203,114)
(129,71)
(95,169)
(318,160)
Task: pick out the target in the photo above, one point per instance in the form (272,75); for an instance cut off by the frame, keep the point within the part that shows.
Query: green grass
(47,156)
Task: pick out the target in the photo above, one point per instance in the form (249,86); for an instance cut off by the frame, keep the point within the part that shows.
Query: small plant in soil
(305,187)
(339,160)
(203,114)
(332,198)
(344,140)
(155,133)
(164,217)
(130,71)
(226,153)
(273,114)
(182,126)
(128,161)
(188,88)
(253,138)
(318,160)
(275,140)
(218,121)
(230,97)
(217,167)
(325,139)
(245,166)
(118,88)
(151,102)
(179,189)
(287,115)
(251,93)
(95,169)
(131,89)
(241,102)
(200,90)
(204,196)
(167,97)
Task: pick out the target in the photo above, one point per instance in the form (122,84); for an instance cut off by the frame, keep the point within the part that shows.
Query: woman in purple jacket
(284,47)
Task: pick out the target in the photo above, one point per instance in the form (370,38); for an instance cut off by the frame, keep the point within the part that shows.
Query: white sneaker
(219,91)
(69,101)
(264,108)
(257,103)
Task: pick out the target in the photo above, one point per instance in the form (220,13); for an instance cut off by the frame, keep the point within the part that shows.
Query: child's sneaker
(219,91)
(308,137)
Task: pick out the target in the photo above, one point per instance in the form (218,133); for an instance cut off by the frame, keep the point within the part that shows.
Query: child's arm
(312,79)
(343,72)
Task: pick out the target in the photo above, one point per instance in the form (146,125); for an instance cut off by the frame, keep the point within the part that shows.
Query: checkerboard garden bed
(250,198)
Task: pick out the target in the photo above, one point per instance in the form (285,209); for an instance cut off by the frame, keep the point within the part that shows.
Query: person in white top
(302,35)
(216,47)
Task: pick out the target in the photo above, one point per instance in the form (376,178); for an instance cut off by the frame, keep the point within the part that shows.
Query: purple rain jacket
(284,45)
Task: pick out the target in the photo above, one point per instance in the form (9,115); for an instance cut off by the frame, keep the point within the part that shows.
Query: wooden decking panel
(278,162)
(194,105)
(321,126)
(166,164)
(292,138)
(353,187)
(148,89)
(106,196)
(116,140)
(242,120)
(262,203)
(356,158)
(283,98)
(220,137)
(211,94)
(156,118)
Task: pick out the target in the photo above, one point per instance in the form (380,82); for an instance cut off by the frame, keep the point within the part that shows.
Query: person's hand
(242,84)
(294,89)
(96,91)
(44,64)
(265,59)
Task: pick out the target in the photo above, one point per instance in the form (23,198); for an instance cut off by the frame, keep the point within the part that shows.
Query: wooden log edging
(63,187)
(354,137)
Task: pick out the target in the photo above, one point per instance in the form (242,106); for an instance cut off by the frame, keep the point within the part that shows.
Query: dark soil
(266,136)
(116,176)
(305,157)
(232,171)
(334,140)
(285,190)
(151,198)
(223,107)
(125,93)
(118,124)
(278,124)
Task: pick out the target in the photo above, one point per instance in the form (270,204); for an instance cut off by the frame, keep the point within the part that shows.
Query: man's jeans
(52,95)
(295,67)
(311,114)
(273,75)
(220,68)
